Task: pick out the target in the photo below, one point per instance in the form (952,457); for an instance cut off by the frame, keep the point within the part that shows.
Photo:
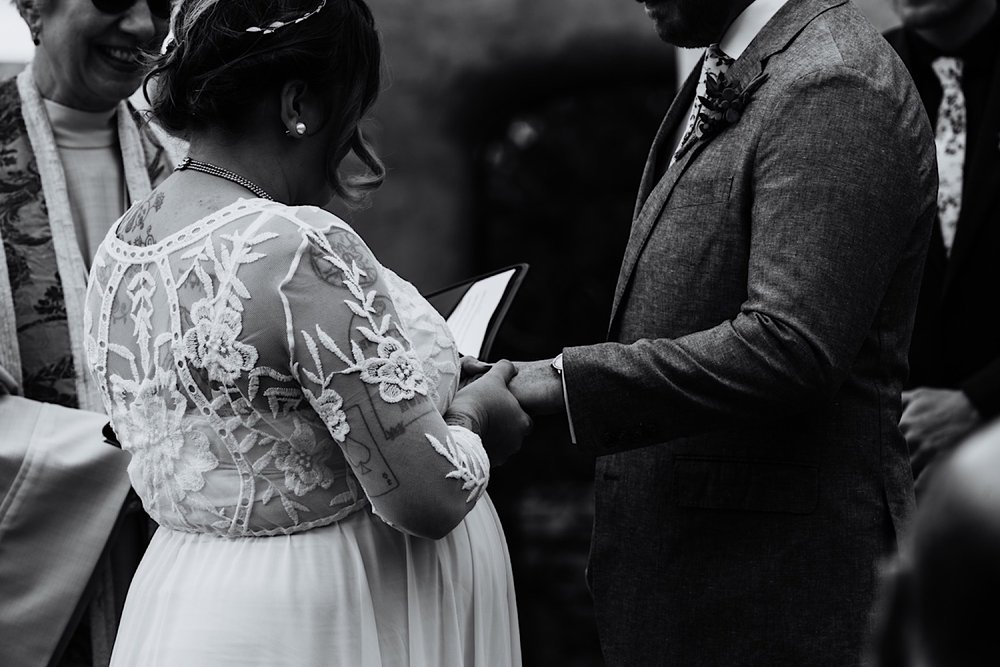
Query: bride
(292,407)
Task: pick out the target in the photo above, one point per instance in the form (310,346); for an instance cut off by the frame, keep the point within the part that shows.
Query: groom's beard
(692,23)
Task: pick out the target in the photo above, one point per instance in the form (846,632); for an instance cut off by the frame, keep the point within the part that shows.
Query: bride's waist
(268,503)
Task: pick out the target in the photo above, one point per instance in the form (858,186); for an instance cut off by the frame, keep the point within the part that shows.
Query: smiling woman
(75,155)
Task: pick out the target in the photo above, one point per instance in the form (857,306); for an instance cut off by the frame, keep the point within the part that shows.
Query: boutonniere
(723,104)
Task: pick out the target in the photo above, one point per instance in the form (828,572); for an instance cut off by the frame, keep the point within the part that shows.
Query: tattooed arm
(360,374)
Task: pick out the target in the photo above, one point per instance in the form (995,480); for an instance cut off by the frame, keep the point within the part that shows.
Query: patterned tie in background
(715,62)
(950,139)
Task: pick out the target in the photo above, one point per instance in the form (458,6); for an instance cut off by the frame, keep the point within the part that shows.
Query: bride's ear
(300,111)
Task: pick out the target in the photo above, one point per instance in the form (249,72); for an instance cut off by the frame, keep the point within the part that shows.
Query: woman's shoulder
(326,233)
(312,219)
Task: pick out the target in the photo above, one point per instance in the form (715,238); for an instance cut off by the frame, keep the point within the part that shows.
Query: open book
(475,308)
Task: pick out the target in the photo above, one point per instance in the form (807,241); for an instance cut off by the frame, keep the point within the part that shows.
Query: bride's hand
(472,370)
(487,407)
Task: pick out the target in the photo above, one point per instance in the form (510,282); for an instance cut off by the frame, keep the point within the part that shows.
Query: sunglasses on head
(158,8)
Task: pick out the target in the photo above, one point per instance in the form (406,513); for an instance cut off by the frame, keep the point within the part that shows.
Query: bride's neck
(251,159)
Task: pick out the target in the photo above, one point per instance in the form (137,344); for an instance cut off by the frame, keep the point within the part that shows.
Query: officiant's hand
(934,421)
(487,407)
(538,387)
(7,384)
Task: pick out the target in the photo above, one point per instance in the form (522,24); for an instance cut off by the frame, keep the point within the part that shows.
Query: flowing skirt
(355,593)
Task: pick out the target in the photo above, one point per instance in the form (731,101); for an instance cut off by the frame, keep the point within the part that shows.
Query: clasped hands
(498,401)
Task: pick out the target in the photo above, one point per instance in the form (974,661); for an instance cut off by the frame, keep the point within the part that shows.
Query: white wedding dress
(236,358)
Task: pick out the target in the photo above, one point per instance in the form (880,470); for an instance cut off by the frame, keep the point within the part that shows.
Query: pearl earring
(300,128)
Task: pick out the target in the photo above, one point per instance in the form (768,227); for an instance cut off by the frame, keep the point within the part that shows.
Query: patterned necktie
(950,137)
(716,62)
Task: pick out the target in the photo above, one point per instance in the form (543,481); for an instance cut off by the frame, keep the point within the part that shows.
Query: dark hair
(214,69)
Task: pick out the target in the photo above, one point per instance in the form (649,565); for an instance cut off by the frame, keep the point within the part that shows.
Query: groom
(744,412)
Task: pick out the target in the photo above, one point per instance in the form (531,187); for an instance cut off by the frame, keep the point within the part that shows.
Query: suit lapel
(677,114)
(646,220)
(983,177)
(772,39)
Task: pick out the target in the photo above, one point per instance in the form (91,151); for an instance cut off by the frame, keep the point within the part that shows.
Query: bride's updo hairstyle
(228,56)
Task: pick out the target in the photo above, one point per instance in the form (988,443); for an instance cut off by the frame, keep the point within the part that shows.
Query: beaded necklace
(219,172)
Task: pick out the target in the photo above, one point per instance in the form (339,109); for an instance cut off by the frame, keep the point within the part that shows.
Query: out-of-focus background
(516,131)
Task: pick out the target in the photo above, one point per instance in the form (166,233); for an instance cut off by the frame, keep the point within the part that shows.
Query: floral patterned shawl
(43,278)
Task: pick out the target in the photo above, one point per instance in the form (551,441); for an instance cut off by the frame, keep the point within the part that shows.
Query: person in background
(939,604)
(952,50)
(74,154)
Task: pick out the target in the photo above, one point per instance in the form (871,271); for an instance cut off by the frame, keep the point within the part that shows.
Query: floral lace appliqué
(212,342)
(464,450)
(149,417)
(396,370)
(301,458)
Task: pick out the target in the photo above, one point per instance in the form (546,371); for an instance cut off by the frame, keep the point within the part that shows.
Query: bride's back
(191,337)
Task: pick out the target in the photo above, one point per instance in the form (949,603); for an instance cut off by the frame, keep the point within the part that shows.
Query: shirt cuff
(569,415)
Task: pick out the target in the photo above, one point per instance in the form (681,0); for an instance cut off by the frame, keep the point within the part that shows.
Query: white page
(471,318)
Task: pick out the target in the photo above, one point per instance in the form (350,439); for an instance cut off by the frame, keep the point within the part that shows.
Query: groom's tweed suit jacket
(750,471)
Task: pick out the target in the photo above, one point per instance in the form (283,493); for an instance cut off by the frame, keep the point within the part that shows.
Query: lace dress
(270,378)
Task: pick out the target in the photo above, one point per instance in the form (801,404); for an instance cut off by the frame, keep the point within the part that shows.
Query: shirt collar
(746,26)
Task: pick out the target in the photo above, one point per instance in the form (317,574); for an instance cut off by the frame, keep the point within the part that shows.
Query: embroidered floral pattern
(396,371)
(464,450)
(148,418)
(330,407)
(37,289)
(239,435)
(301,458)
(211,343)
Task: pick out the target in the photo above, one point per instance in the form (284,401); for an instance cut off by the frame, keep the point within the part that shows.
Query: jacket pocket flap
(751,486)
(700,192)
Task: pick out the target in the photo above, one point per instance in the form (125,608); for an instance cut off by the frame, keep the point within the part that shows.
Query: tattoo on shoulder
(351,249)
(348,248)
(134,227)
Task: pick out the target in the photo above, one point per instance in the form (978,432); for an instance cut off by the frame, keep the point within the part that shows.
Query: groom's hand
(538,387)
(934,421)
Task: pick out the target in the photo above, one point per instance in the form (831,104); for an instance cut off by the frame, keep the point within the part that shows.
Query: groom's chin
(684,23)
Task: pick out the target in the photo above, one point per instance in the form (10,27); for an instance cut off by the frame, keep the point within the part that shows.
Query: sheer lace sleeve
(358,370)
